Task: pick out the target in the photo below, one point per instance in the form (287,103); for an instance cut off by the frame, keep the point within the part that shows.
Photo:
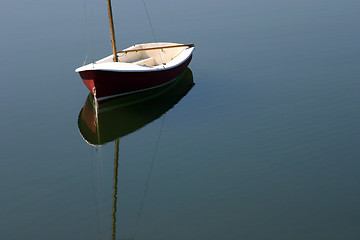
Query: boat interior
(149,54)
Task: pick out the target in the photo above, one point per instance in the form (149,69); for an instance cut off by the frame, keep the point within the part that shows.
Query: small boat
(135,69)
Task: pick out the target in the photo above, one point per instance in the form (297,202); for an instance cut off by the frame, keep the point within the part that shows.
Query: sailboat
(135,69)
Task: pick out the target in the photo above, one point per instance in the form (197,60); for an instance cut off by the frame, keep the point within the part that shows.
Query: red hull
(108,84)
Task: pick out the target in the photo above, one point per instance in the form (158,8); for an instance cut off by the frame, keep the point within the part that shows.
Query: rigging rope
(90,40)
(97,187)
(152,29)
(148,16)
(148,179)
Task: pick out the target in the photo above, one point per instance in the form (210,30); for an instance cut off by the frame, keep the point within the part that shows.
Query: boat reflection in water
(109,121)
(99,124)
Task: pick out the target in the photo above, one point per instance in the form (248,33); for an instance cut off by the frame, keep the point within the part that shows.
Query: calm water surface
(259,141)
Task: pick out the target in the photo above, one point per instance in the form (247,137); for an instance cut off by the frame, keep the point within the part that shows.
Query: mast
(112,31)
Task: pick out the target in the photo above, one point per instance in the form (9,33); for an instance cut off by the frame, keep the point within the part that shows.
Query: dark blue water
(264,145)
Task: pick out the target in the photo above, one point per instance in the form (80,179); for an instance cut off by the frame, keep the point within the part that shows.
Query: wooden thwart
(155,48)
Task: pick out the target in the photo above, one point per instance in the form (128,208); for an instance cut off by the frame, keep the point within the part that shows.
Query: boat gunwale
(187,52)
